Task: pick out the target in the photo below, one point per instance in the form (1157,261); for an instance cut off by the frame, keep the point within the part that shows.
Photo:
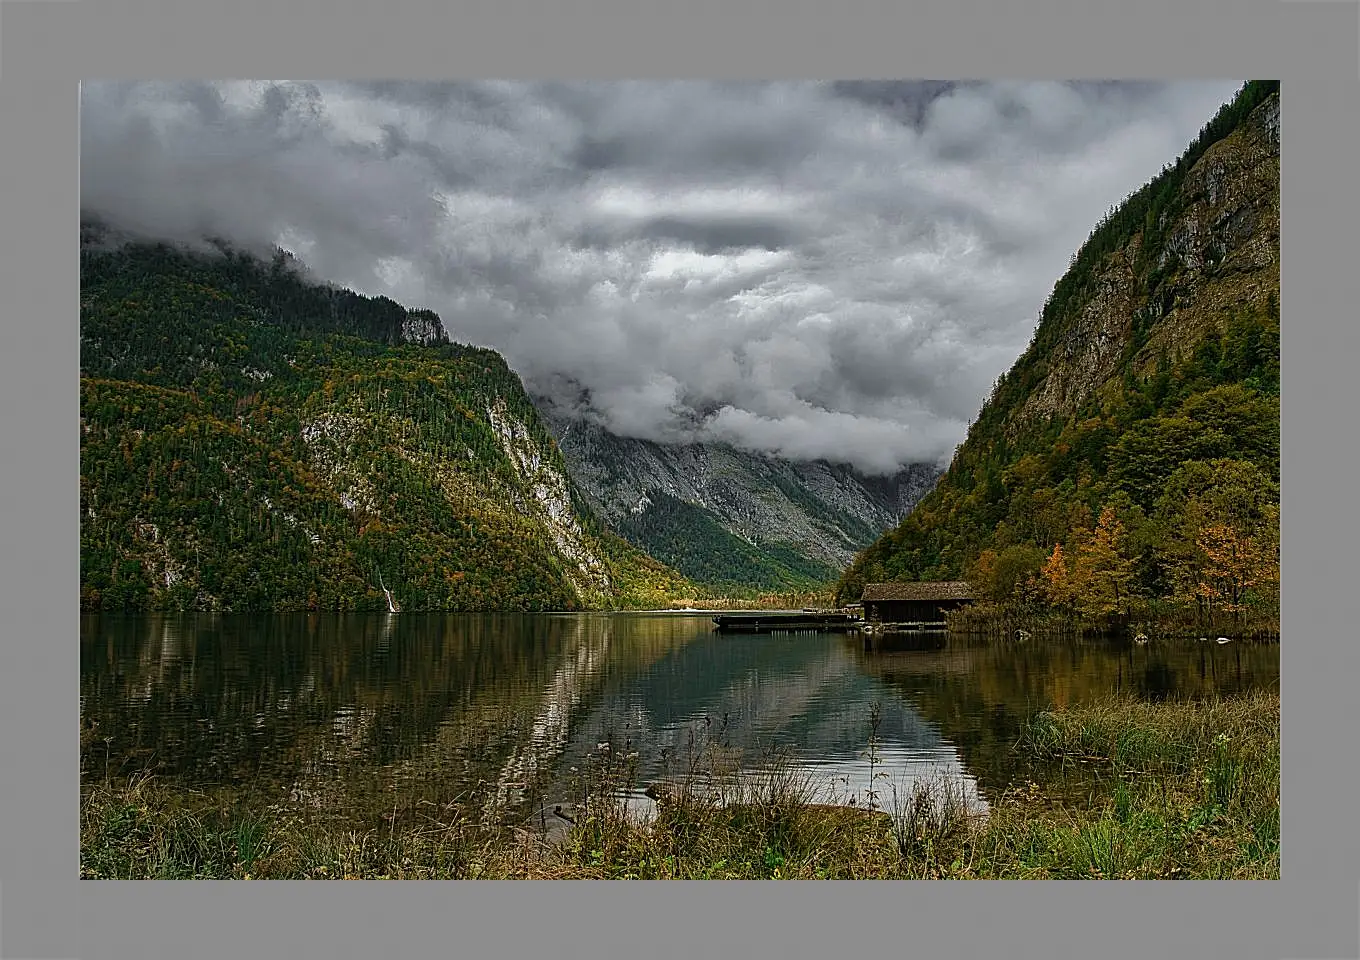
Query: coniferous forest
(1156,489)
(252,440)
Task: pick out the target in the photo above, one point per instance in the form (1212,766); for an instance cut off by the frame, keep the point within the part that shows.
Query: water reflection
(796,701)
(550,729)
(349,713)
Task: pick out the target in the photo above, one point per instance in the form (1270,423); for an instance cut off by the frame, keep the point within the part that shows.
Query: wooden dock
(770,622)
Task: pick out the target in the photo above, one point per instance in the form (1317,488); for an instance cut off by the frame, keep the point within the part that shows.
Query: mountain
(1132,451)
(251,439)
(727,517)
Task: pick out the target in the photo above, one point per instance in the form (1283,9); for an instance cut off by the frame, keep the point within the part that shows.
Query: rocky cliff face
(423,327)
(824,512)
(547,499)
(1219,254)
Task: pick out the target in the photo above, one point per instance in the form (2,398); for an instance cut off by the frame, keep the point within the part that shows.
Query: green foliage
(252,441)
(693,541)
(1104,571)
(1002,576)
(1032,486)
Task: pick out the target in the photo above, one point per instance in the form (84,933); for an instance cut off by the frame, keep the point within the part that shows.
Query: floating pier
(763,622)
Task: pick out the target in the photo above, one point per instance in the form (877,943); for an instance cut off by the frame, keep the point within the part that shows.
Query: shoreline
(1118,788)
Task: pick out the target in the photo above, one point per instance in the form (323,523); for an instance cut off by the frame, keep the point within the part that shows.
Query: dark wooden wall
(909,611)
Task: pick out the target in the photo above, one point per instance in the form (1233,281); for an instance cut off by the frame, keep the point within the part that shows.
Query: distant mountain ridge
(719,514)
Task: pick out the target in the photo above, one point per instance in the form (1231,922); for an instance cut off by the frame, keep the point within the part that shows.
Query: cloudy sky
(816,270)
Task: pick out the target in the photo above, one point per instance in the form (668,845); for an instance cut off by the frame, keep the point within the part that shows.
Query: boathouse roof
(921,590)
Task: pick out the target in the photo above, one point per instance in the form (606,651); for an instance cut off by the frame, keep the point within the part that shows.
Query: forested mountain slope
(253,440)
(1133,450)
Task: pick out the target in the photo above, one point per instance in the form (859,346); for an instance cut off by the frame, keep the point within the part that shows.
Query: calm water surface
(357,713)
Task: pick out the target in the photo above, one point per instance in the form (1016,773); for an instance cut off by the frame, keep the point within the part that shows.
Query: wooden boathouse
(920,605)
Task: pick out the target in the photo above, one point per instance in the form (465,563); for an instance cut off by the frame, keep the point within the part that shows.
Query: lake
(345,715)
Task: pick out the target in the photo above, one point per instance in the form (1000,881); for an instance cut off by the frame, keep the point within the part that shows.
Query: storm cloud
(815,270)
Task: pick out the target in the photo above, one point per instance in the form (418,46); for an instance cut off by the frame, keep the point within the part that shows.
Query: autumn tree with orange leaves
(1102,578)
(1221,528)
(1232,565)
(1056,580)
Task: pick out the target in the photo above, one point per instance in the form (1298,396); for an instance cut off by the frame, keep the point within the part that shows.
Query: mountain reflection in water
(348,713)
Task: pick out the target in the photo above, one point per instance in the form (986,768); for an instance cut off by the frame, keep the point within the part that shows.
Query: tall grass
(1116,789)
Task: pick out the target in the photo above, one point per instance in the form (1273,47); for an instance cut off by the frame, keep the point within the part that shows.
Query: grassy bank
(1005,621)
(1116,789)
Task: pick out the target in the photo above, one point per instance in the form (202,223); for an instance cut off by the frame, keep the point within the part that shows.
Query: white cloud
(821,270)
